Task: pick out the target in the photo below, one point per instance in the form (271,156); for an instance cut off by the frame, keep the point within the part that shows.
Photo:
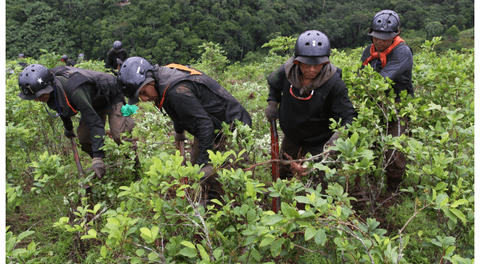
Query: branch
(323,155)
(401,230)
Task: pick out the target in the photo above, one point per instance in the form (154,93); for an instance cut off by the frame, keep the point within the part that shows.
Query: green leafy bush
(152,215)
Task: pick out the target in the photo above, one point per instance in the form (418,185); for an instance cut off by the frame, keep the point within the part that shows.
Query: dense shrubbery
(159,219)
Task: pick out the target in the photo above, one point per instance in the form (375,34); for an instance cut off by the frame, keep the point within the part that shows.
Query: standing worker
(116,56)
(69,90)
(310,91)
(21,58)
(81,57)
(195,102)
(390,56)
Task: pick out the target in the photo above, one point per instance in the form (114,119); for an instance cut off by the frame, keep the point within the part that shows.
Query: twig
(323,155)
(401,230)
(153,251)
(375,209)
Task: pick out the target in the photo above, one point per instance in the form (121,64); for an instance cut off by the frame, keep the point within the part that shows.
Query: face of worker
(310,71)
(148,93)
(382,44)
(43,98)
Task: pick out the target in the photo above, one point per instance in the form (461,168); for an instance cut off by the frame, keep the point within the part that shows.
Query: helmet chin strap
(55,98)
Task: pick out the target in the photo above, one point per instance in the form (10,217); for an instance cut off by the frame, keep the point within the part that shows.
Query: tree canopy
(167,31)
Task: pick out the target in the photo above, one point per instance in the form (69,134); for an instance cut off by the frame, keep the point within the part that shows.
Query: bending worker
(195,102)
(69,90)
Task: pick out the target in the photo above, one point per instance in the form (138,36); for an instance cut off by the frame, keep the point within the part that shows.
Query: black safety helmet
(34,81)
(21,55)
(117,45)
(385,25)
(64,58)
(131,75)
(312,47)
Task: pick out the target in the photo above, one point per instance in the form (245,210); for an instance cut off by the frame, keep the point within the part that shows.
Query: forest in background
(166,31)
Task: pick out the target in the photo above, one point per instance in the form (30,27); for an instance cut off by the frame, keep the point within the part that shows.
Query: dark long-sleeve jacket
(197,104)
(398,68)
(88,92)
(112,57)
(306,122)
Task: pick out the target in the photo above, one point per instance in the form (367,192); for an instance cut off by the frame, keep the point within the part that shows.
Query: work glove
(69,133)
(207,170)
(331,143)
(98,167)
(180,137)
(272,111)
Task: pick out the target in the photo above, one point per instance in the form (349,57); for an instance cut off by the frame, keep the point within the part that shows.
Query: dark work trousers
(395,160)
(118,124)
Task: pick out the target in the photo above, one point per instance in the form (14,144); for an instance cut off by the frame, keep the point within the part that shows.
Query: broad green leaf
(251,215)
(203,253)
(92,233)
(267,240)
(302,199)
(250,189)
(354,138)
(188,252)
(145,231)
(103,251)
(273,219)
(449,250)
(155,231)
(96,208)
(187,244)
(458,202)
(152,256)
(320,237)
(217,253)
(24,235)
(459,214)
(276,247)
(256,255)
(309,233)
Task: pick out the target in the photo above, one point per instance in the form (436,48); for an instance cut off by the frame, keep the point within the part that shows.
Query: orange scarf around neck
(383,55)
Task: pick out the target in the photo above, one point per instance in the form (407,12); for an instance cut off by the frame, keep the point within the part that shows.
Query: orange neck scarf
(383,55)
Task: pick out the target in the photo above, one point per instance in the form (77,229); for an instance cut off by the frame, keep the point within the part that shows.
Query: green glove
(128,110)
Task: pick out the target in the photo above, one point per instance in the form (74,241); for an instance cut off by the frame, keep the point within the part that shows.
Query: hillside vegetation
(167,31)
(151,216)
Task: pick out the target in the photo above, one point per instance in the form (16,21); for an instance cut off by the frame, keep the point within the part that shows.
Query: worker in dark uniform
(305,93)
(116,56)
(81,57)
(69,90)
(67,61)
(195,102)
(21,58)
(392,58)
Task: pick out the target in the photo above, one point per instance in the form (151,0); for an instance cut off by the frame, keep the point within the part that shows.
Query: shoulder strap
(183,68)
